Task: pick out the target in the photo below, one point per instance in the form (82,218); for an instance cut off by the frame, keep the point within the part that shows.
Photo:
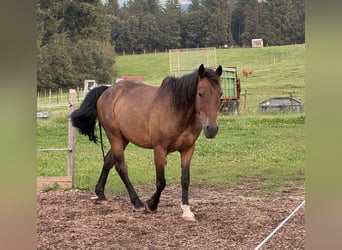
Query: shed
(257,43)
(280,104)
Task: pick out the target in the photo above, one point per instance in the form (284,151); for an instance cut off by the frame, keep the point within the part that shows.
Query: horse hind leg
(121,168)
(107,166)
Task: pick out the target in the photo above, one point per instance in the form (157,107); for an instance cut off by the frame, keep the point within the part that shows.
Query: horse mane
(183,89)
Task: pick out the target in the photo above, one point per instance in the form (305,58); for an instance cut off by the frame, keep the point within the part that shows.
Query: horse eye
(200,94)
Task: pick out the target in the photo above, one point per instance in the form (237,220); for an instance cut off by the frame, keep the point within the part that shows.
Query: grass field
(265,151)
(277,71)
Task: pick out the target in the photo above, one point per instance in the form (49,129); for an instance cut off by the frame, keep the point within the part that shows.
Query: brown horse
(166,119)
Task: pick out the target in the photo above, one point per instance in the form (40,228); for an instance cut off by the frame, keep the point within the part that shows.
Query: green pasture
(266,151)
(258,150)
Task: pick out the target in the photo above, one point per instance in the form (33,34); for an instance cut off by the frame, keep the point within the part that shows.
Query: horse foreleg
(152,203)
(160,162)
(185,182)
(107,166)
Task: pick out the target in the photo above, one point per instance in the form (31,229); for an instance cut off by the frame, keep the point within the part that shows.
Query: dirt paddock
(226,219)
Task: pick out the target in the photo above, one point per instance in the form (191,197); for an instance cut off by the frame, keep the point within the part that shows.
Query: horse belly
(141,140)
(135,127)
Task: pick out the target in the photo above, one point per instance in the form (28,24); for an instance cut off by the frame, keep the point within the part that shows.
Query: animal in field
(165,118)
(246,72)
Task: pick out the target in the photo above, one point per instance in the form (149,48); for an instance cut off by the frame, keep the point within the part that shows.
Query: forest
(78,40)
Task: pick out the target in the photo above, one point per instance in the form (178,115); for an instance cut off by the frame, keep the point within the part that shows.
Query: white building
(257,43)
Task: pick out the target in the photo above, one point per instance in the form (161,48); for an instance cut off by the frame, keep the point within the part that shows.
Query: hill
(277,71)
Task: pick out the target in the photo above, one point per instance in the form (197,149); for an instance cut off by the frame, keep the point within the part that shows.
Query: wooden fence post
(71,136)
(245,100)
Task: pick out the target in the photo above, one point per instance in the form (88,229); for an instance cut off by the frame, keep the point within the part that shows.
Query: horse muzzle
(210,131)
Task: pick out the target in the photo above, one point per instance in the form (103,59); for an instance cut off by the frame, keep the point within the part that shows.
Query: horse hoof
(138,209)
(139,206)
(98,199)
(149,210)
(188,218)
(187,214)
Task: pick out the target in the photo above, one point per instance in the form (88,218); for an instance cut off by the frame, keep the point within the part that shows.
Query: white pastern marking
(187,214)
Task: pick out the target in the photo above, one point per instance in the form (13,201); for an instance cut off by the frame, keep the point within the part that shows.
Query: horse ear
(219,70)
(201,71)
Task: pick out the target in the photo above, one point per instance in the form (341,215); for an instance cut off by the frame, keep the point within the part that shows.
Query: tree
(192,29)
(54,65)
(49,19)
(92,60)
(112,7)
(237,22)
(170,26)
(83,20)
(207,24)
(298,21)
(277,22)
(251,23)
(73,43)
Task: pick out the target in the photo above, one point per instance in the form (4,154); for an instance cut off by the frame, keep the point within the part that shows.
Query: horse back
(125,109)
(133,110)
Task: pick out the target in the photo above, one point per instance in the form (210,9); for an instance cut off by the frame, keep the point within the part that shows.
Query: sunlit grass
(269,149)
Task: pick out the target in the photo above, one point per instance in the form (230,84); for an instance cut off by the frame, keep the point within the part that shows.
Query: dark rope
(101,142)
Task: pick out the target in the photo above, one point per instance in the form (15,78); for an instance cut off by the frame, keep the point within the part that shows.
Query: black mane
(183,89)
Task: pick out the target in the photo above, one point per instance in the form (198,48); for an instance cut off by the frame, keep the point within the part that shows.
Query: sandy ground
(226,219)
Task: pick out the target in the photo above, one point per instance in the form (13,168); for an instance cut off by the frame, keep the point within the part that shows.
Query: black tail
(85,117)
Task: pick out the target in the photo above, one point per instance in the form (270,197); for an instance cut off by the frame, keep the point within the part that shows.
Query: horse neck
(188,117)
(181,91)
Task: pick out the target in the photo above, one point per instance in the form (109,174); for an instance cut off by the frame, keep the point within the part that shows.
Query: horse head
(208,99)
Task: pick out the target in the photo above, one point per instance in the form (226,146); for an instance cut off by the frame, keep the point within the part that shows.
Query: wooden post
(244,101)
(86,88)
(170,66)
(71,136)
(61,94)
(78,93)
(178,64)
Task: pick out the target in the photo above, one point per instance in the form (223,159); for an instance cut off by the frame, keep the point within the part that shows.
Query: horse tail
(84,118)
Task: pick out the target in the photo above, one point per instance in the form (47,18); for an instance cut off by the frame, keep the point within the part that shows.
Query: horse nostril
(210,131)
(208,127)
